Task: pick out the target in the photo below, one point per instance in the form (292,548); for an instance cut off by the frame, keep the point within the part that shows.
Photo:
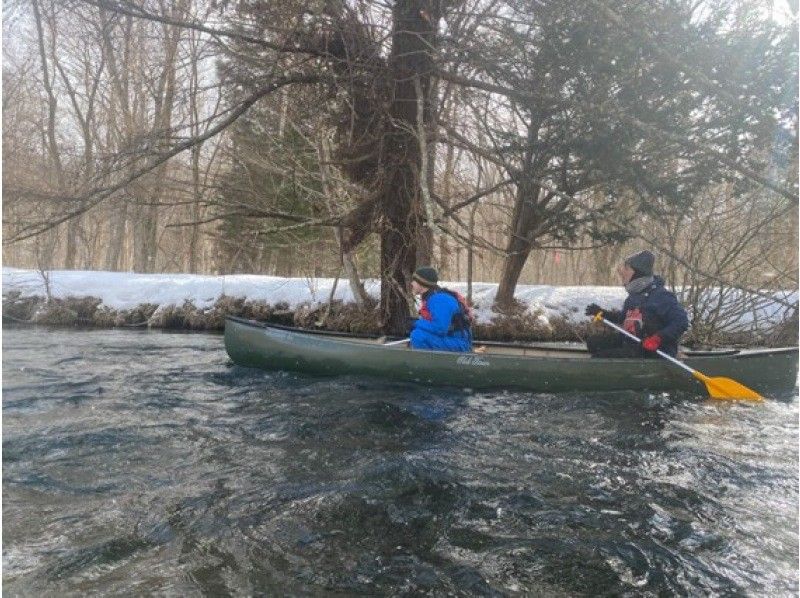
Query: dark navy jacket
(653,311)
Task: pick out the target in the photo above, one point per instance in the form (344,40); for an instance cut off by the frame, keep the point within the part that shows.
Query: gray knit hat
(426,276)
(642,262)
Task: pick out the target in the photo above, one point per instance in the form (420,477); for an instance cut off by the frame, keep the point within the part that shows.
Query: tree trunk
(471,251)
(47,254)
(146,236)
(146,225)
(71,251)
(512,268)
(116,237)
(445,262)
(518,248)
(413,34)
(283,262)
(194,126)
(194,235)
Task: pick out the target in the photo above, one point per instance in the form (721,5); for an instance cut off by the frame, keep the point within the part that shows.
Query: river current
(139,463)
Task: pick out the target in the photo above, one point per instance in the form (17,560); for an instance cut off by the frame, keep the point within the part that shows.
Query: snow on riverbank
(126,291)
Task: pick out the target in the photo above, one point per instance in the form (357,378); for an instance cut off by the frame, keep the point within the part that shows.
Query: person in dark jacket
(444,318)
(650,312)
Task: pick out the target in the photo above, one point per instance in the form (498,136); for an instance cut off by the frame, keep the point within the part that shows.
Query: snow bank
(124,291)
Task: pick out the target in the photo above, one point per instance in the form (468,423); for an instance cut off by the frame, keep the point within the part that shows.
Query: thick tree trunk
(424,246)
(518,248)
(413,36)
(512,268)
(517,251)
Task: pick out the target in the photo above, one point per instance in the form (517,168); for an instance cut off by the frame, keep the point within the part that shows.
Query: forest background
(514,141)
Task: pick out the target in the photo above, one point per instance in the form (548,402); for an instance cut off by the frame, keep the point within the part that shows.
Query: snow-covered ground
(124,291)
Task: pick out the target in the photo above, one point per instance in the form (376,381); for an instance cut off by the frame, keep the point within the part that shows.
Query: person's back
(443,324)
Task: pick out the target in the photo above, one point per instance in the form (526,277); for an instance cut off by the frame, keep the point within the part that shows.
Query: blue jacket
(653,311)
(437,333)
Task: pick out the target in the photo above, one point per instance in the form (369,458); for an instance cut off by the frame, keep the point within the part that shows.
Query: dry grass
(516,325)
(19,309)
(55,313)
(340,317)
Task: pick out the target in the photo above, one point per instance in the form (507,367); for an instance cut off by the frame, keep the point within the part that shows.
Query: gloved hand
(593,309)
(652,342)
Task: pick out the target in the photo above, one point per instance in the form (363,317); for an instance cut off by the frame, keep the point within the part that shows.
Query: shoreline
(103,299)
(338,316)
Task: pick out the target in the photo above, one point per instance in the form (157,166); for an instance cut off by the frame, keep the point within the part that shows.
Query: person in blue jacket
(650,312)
(444,322)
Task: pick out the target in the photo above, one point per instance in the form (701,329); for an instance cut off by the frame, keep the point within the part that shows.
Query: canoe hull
(255,345)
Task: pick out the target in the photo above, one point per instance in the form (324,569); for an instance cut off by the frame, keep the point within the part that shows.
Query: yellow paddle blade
(725,388)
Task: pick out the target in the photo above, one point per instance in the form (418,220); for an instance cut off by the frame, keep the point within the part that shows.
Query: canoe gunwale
(343,336)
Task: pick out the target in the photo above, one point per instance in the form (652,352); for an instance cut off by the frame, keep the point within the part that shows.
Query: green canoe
(529,367)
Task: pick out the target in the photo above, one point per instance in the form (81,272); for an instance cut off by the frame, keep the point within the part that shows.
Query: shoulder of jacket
(663,291)
(440,296)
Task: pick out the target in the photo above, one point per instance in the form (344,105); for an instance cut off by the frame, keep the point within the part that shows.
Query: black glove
(593,309)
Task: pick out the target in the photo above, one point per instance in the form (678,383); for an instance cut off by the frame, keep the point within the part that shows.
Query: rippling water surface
(143,462)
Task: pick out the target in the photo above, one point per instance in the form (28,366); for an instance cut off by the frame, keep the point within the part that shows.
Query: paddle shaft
(400,342)
(638,340)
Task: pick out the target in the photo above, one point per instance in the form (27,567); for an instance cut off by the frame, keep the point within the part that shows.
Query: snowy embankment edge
(127,290)
(543,305)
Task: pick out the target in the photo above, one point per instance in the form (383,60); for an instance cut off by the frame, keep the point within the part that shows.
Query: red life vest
(633,321)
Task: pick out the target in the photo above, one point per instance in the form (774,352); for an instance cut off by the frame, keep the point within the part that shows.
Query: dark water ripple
(142,463)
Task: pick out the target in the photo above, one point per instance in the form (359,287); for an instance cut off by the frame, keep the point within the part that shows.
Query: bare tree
(509,128)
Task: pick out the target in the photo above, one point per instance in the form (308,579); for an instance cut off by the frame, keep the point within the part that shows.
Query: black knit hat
(642,262)
(426,276)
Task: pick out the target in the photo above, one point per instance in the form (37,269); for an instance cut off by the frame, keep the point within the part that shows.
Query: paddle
(400,342)
(718,387)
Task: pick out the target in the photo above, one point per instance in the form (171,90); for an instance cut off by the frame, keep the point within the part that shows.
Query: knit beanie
(642,262)
(426,276)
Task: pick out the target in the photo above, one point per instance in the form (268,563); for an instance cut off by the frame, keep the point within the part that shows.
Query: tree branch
(97,195)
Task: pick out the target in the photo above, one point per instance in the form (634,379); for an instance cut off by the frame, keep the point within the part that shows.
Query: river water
(145,463)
